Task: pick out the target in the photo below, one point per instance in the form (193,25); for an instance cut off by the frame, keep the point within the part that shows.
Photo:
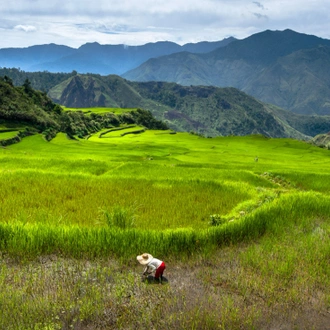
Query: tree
(8,80)
(27,86)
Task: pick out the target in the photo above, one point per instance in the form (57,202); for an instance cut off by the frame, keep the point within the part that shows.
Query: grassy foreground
(246,239)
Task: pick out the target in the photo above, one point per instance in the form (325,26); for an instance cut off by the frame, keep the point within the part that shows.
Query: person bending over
(152,265)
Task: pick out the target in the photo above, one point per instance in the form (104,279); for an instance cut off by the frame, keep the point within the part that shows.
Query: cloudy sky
(74,22)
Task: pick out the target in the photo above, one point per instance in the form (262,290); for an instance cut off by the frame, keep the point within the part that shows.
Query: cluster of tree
(27,106)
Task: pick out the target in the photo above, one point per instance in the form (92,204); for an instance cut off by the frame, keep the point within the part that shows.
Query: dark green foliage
(217,220)
(77,123)
(27,106)
(145,118)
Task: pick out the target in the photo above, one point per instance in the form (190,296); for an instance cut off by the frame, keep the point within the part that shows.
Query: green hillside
(298,82)
(26,111)
(202,109)
(205,110)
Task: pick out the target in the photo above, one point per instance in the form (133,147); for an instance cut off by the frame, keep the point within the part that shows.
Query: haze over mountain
(95,58)
(285,68)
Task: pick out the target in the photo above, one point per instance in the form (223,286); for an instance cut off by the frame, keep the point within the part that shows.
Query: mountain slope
(206,110)
(25,106)
(302,74)
(282,67)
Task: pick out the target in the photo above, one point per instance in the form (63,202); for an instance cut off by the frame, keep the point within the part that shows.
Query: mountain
(25,58)
(206,110)
(286,68)
(95,58)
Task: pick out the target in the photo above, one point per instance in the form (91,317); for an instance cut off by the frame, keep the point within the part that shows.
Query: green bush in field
(217,220)
(120,217)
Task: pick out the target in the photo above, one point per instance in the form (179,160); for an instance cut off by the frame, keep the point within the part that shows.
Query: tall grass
(290,211)
(72,193)
(30,196)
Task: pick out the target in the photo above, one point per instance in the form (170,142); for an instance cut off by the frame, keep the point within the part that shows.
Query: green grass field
(7,135)
(161,181)
(100,110)
(105,200)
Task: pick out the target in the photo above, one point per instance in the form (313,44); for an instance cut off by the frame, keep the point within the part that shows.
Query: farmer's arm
(145,272)
(149,269)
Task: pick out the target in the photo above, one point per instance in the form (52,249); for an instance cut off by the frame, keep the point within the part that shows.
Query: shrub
(217,220)
(120,217)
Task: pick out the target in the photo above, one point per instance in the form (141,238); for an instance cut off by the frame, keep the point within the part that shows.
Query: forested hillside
(206,110)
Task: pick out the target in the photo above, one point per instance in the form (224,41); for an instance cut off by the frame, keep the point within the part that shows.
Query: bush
(120,217)
(217,220)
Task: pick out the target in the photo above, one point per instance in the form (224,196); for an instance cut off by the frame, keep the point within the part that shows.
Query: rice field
(243,223)
(100,110)
(4,135)
(152,181)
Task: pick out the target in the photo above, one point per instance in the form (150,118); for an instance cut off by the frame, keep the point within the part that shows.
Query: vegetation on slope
(29,111)
(322,140)
(42,81)
(206,110)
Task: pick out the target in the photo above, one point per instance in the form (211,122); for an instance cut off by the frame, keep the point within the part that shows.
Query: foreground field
(242,222)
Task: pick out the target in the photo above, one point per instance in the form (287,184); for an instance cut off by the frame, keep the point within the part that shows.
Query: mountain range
(285,68)
(274,83)
(95,58)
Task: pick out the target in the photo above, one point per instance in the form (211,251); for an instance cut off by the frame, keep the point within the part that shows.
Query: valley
(230,191)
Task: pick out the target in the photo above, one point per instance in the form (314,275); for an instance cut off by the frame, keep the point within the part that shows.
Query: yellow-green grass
(8,135)
(309,215)
(116,132)
(34,196)
(162,181)
(100,110)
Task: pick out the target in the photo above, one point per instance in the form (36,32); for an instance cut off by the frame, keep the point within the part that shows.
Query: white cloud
(25,28)
(75,22)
